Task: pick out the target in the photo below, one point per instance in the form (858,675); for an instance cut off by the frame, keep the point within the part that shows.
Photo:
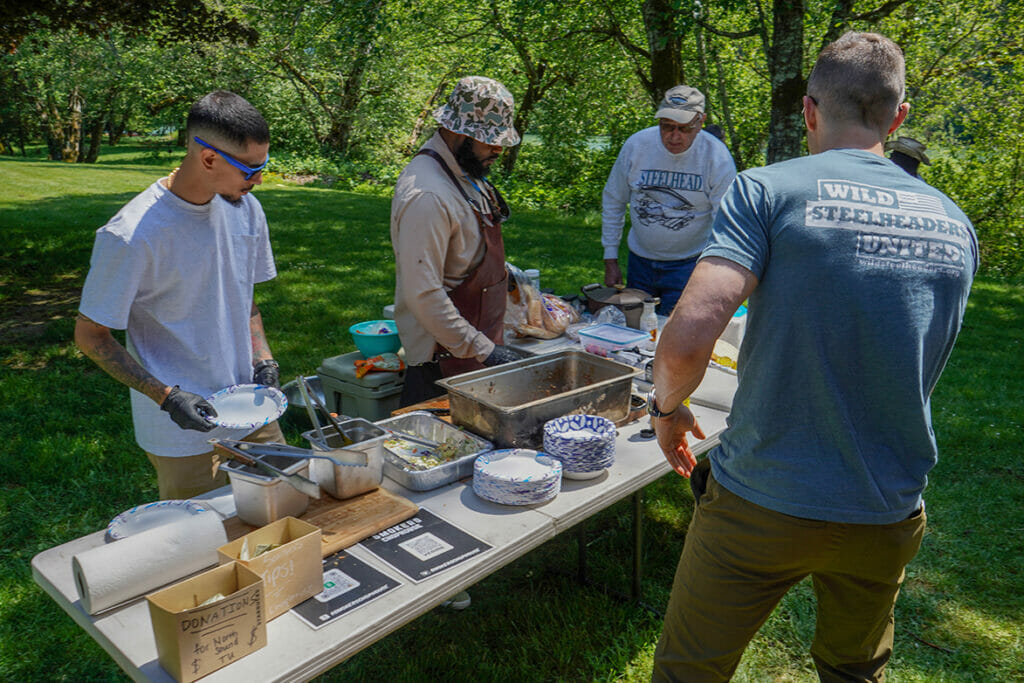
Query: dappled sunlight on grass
(70,462)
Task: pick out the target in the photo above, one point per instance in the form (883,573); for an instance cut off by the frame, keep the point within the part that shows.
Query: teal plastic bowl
(371,342)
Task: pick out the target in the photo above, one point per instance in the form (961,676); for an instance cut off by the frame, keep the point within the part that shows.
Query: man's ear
(901,116)
(810,113)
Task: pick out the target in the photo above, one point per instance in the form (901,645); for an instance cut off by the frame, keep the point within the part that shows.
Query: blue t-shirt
(864,273)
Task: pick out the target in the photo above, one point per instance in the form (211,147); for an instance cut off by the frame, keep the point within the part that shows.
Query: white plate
(247,406)
(150,516)
(517,465)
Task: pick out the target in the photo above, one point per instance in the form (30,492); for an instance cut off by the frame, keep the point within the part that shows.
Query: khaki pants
(739,559)
(180,478)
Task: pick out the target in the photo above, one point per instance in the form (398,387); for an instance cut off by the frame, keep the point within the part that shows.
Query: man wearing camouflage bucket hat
(450,278)
(671,176)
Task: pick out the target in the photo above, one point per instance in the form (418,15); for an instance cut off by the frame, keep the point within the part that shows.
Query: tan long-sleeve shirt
(437,243)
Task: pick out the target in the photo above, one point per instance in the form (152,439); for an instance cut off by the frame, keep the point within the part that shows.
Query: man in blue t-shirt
(857,276)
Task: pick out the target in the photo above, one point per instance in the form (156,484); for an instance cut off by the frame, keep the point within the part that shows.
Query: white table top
(296,652)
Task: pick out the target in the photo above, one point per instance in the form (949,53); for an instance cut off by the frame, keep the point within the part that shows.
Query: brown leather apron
(481,297)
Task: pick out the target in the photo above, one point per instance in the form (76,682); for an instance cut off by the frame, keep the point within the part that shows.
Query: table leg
(581,553)
(638,533)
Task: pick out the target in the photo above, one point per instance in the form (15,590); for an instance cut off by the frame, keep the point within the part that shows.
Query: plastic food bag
(610,314)
(385,362)
(532,314)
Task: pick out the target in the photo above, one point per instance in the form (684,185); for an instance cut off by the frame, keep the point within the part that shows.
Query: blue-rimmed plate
(247,406)
(151,515)
(516,476)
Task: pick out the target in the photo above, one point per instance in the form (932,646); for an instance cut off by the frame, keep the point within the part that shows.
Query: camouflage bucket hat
(909,146)
(482,109)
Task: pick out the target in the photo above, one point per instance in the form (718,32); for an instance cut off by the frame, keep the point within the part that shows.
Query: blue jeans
(663,279)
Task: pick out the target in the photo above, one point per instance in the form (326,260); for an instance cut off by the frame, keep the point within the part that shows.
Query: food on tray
(723,360)
(421,457)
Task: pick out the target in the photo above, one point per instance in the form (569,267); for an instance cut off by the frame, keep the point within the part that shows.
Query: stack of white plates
(585,444)
(516,476)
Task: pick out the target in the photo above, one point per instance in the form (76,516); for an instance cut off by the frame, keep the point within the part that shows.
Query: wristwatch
(652,406)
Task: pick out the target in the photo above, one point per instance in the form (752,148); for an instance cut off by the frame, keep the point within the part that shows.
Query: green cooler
(372,396)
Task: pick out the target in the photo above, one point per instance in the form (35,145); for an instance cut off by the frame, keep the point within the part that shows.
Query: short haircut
(227,117)
(860,79)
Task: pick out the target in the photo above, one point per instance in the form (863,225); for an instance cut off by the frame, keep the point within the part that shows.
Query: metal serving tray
(261,499)
(509,404)
(424,425)
(344,481)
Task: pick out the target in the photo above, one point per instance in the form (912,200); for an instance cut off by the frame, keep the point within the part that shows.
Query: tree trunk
(723,98)
(339,138)
(521,123)
(182,139)
(95,140)
(73,128)
(785,60)
(426,114)
(117,126)
(665,46)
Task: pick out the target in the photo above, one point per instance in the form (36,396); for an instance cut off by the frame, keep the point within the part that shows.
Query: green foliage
(349,87)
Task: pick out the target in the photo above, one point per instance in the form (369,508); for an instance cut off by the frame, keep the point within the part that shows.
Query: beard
(468,161)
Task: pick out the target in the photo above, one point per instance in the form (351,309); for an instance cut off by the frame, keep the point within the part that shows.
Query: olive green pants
(184,477)
(739,559)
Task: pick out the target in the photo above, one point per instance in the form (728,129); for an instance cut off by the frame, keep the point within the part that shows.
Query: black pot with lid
(629,301)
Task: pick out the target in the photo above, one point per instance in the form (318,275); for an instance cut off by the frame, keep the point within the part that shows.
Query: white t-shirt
(179,279)
(672,198)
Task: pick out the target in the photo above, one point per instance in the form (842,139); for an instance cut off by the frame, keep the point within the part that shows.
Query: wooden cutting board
(439,403)
(344,522)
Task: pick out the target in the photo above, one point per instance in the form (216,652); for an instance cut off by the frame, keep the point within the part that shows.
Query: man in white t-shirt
(672,176)
(175,269)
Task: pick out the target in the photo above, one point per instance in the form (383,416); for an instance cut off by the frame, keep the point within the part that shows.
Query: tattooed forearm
(260,348)
(99,344)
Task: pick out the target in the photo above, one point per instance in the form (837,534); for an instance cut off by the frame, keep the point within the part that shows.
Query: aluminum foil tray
(426,426)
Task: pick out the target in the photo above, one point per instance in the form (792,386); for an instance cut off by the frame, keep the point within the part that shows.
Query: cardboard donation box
(193,639)
(291,570)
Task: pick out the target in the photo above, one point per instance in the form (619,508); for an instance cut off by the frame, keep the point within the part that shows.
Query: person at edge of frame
(855,299)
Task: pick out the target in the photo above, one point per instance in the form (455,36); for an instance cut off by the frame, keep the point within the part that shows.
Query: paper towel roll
(123,570)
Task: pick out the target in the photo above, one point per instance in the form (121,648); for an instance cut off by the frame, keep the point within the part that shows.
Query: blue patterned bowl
(585,444)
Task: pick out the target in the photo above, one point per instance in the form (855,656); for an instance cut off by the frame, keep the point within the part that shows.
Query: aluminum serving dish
(261,499)
(509,404)
(426,426)
(344,481)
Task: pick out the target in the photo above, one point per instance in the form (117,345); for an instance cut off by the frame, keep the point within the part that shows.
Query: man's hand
(501,355)
(612,274)
(268,373)
(671,432)
(189,410)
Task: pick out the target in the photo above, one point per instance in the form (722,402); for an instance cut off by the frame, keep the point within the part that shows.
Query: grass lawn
(68,461)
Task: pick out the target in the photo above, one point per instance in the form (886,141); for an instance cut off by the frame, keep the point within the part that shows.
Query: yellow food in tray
(421,457)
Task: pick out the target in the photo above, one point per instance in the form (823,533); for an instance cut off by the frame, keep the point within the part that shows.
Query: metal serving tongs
(249,454)
(309,397)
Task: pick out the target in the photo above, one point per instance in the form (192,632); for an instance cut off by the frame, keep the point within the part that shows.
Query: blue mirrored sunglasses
(247,171)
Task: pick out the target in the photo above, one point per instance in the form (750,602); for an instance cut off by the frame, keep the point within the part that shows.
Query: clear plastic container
(605,338)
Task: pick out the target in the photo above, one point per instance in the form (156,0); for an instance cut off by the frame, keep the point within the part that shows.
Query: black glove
(267,373)
(189,410)
(501,355)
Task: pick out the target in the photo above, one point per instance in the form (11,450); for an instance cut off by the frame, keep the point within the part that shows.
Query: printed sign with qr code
(336,582)
(425,546)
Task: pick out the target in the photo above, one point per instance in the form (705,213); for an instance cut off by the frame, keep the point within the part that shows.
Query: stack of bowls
(516,476)
(584,444)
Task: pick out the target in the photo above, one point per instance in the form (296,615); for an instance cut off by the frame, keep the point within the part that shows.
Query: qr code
(425,546)
(336,582)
